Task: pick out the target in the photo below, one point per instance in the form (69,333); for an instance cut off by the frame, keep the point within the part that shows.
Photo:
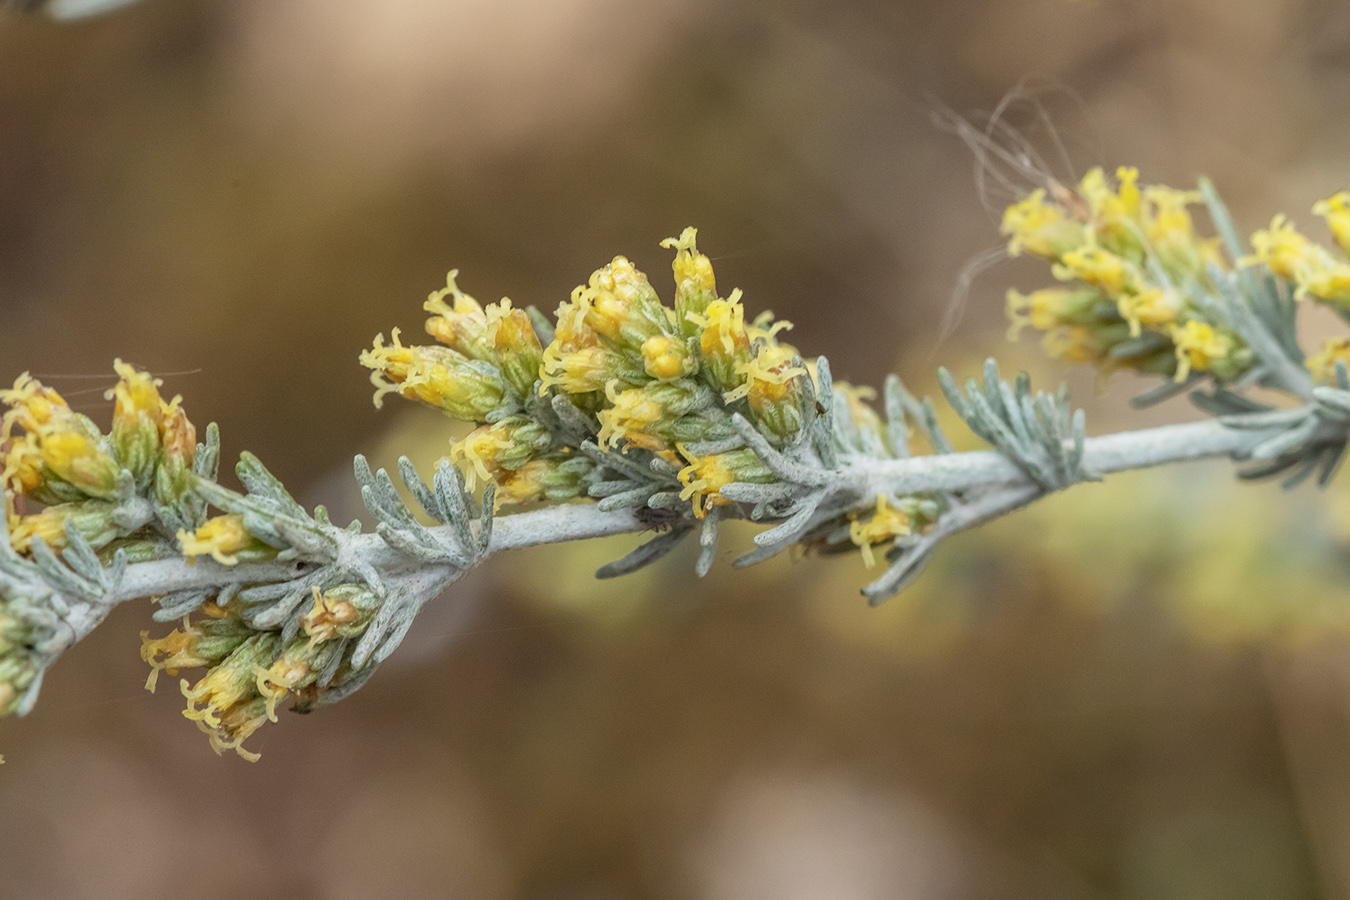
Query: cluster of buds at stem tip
(1135,274)
(644,375)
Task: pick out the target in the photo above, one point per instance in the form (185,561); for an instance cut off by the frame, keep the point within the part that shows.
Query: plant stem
(971,471)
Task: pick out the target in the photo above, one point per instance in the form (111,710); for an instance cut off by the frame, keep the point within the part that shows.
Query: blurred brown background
(1137,690)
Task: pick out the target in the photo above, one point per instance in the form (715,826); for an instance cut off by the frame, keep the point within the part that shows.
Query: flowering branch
(651,418)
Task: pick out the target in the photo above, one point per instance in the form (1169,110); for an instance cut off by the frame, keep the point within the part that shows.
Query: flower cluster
(56,457)
(61,475)
(1314,271)
(1132,270)
(646,377)
(250,671)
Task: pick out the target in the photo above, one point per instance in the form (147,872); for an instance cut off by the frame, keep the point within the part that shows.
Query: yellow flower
(482,450)
(693,271)
(1040,228)
(517,349)
(723,340)
(1322,364)
(628,416)
(1096,266)
(617,303)
(1199,347)
(463,389)
(703,478)
(1151,306)
(21,471)
(1073,344)
(223,537)
(695,286)
(526,484)
(66,442)
(330,613)
(1106,203)
(723,324)
(219,689)
(49,525)
(235,725)
(1282,249)
(1049,307)
(885,524)
(176,650)
(1169,222)
(770,375)
(1336,211)
(136,418)
(1329,282)
(32,405)
(666,358)
(578,371)
(276,681)
(460,325)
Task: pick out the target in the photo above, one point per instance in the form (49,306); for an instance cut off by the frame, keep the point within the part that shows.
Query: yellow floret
(768,376)
(703,478)
(723,324)
(1322,364)
(176,650)
(1095,266)
(690,265)
(481,449)
(1152,306)
(631,411)
(886,523)
(1072,344)
(276,682)
(1336,211)
(1030,223)
(1282,249)
(222,537)
(1198,347)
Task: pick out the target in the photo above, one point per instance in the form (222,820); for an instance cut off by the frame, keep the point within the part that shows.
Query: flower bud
(1336,211)
(69,446)
(516,346)
(226,540)
(551,479)
(620,305)
(704,477)
(507,444)
(667,358)
(695,287)
(341,612)
(1322,364)
(1040,228)
(775,390)
(461,325)
(724,342)
(92,518)
(886,523)
(462,388)
(136,421)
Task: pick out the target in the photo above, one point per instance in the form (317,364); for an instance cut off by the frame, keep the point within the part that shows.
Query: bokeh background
(1135,690)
